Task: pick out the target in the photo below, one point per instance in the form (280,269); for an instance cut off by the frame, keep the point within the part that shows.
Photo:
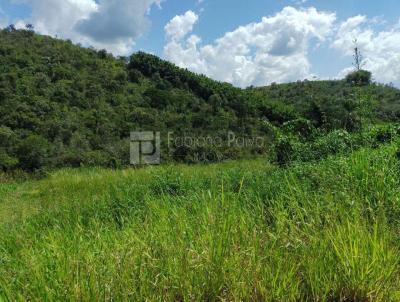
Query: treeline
(64,105)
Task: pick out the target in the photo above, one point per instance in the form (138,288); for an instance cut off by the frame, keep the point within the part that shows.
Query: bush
(7,139)
(32,152)
(6,161)
(286,149)
(301,127)
(337,141)
(97,158)
(289,149)
(382,134)
(359,78)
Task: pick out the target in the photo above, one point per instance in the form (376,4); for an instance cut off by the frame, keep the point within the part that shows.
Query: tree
(359,78)
(62,105)
(11,28)
(32,152)
(357,56)
(7,139)
(29,27)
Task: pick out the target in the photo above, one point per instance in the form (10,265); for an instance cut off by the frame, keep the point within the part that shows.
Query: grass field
(326,231)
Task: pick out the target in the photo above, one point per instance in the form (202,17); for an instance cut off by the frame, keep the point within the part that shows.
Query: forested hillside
(64,105)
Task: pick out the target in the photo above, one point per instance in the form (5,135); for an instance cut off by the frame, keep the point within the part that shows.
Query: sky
(243,42)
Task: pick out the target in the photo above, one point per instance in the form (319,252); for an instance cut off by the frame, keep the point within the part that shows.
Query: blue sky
(252,42)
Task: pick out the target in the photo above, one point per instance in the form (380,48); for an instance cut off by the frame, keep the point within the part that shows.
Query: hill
(314,218)
(64,105)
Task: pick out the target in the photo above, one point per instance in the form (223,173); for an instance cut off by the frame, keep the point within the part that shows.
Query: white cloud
(117,22)
(58,17)
(180,26)
(273,50)
(380,49)
(114,25)
(299,2)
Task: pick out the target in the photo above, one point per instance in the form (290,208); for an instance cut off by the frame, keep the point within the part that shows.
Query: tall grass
(237,231)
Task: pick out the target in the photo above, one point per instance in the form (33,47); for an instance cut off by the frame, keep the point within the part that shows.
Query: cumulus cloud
(110,24)
(180,26)
(58,17)
(381,49)
(116,21)
(272,50)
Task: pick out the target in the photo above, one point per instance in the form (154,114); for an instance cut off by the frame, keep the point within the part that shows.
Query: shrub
(97,158)
(285,149)
(6,161)
(334,142)
(337,141)
(382,134)
(359,78)
(301,127)
(33,152)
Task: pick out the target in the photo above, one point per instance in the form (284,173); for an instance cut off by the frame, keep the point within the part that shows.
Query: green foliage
(324,228)
(6,161)
(290,148)
(83,104)
(335,142)
(285,149)
(32,152)
(235,231)
(359,78)
(300,127)
(7,141)
(380,134)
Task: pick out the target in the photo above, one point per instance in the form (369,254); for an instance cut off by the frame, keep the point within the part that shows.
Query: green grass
(326,231)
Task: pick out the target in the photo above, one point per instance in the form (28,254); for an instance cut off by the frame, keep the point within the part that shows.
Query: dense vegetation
(313,219)
(238,231)
(63,105)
